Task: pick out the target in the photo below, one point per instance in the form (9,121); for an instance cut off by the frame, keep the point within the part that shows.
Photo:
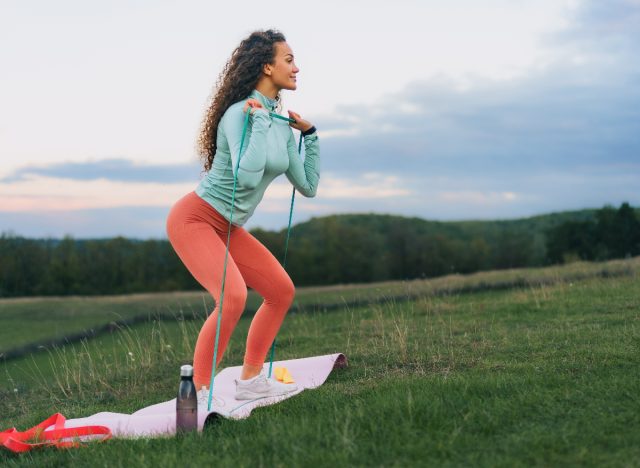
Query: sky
(453,110)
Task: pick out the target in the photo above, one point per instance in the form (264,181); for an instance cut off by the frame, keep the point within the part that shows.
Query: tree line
(611,234)
(327,250)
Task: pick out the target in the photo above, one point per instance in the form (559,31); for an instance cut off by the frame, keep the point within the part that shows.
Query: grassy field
(40,319)
(542,373)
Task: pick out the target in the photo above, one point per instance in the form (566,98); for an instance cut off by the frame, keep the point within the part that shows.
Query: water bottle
(187,402)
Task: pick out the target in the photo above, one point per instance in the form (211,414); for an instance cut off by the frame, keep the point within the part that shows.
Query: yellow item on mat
(282,374)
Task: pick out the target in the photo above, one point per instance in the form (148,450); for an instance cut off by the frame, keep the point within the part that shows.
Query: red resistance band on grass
(59,436)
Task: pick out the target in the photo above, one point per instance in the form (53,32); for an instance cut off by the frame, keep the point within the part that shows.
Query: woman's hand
(300,123)
(253,104)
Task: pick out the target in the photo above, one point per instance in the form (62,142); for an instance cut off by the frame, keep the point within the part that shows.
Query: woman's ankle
(199,385)
(249,371)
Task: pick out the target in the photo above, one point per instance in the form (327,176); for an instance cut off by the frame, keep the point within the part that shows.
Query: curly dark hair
(238,78)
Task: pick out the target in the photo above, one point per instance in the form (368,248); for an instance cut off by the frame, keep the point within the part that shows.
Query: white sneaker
(260,387)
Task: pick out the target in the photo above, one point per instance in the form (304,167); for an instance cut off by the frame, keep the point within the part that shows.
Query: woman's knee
(235,298)
(286,291)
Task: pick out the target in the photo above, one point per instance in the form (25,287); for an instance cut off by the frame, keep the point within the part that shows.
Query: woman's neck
(267,89)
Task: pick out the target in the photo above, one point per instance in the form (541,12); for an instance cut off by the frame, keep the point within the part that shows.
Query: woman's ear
(266,69)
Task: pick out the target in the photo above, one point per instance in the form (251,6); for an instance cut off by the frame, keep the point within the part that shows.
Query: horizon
(11,234)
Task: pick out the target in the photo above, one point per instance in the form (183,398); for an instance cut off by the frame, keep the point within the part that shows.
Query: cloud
(474,197)
(611,28)
(115,169)
(39,193)
(562,115)
(138,222)
(569,117)
(545,121)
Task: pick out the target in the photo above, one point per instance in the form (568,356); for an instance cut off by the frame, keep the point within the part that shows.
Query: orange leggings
(198,234)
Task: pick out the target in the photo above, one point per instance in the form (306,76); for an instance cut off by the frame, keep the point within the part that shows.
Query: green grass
(36,320)
(545,374)
(28,320)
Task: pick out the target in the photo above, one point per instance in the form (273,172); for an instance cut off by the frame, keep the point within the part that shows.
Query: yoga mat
(160,419)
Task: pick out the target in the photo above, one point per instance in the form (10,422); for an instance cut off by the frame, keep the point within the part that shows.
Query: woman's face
(283,69)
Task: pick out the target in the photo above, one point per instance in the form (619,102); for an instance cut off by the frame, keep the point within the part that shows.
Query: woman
(197,226)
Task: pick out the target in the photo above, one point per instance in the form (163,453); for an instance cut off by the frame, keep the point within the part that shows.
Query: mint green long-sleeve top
(269,150)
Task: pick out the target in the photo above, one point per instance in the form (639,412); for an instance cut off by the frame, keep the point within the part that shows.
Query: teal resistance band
(226,254)
(284,261)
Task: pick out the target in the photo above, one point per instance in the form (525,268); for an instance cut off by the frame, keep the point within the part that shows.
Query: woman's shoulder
(235,109)
(232,120)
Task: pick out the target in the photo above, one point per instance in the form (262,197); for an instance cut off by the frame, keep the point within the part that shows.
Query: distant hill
(346,248)
(374,247)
